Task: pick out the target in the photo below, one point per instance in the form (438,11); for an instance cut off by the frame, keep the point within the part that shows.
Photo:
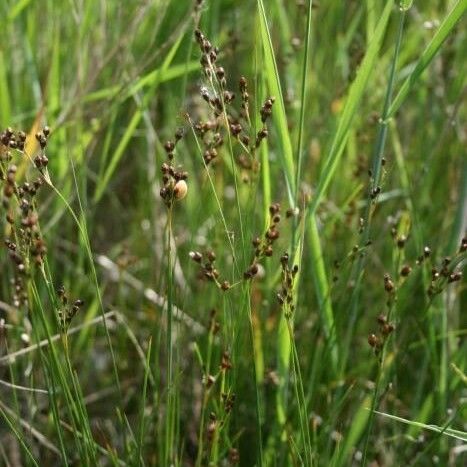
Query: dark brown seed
(406,270)
(211,256)
(401,241)
(388,284)
(169,146)
(382,319)
(373,340)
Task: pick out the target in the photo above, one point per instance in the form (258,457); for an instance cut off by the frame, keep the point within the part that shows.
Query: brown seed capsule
(180,189)
(220,72)
(210,380)
(211,256)
(196,256)
(234,456)
(274,209)
(251,271)
(382,319)
(455,276)
(254,269)
(388,283)
(406,270)
(242,83)
(272,234)
(169,146)
(229,96)
(373,340)
(226,363)
(401,241)
(179,134)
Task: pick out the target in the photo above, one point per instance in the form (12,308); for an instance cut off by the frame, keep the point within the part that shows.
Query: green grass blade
(5,105)
(279,115)
(353,100)
(430,52)
(12,425)
(135,121)
(323,292)
(18,8)
(457,434)
(357,428)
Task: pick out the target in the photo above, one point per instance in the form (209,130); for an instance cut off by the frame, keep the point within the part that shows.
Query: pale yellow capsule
(180,189)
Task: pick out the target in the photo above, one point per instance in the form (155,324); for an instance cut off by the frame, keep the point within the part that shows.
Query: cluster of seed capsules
(228,398)
(448,271)
(13,139)
(264,246)
(41,161)
(220,101)
(174,185)
(376,341)
(24,240)
(68,311)
(285,296)
(208,269)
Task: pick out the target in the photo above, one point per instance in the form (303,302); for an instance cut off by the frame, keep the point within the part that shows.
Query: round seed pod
(180,189)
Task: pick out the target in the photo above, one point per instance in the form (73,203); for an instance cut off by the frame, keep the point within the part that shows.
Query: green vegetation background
(367,140)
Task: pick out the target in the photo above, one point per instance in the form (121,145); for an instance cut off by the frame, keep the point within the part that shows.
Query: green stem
(170,419)
(376,178)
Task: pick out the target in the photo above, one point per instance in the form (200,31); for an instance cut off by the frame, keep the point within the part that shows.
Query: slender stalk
(206,394)
(170,417)
(259,417)
(374,185)
(376,174)
(301,400)
(303,105)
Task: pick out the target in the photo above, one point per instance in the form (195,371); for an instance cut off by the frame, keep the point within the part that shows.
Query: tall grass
(301,303)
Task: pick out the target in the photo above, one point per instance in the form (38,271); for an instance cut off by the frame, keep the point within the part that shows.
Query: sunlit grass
(248,236)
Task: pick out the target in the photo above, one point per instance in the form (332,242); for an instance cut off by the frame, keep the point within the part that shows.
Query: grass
(270,278)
